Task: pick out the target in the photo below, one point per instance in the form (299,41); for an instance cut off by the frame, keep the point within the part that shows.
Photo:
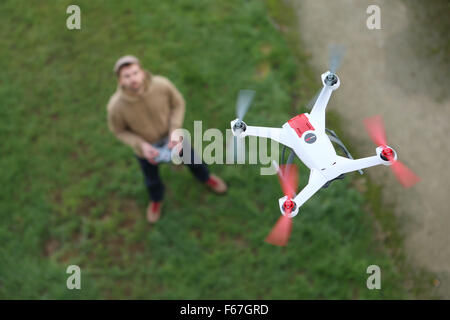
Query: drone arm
(276,134)
(317,114)
(316,181)
(349,165)
(330,83)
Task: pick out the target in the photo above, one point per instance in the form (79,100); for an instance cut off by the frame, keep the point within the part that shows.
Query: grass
(72,194)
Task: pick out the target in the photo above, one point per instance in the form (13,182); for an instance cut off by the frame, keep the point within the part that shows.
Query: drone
(309,140)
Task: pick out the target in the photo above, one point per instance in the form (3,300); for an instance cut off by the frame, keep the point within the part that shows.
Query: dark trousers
(153,181)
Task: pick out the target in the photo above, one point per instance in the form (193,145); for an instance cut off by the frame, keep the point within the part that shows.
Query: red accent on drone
(300,124)
(375,128)
(288,205)
(288,175)
(388,153)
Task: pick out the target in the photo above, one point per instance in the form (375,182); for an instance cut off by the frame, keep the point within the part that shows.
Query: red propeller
(288,175)
(404,175)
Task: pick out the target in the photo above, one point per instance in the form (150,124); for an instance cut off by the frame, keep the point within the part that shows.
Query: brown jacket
(149,116)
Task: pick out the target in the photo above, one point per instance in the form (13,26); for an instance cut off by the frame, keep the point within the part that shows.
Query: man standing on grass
(143,113)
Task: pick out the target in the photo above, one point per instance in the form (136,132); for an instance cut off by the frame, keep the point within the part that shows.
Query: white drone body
(305,134)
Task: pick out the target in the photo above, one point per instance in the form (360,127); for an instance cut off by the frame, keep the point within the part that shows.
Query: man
(143,113)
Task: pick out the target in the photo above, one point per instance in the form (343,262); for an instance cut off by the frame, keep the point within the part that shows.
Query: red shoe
(216,184)
(154,211)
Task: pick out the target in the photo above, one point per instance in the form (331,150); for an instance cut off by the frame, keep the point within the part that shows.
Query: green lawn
(70,193)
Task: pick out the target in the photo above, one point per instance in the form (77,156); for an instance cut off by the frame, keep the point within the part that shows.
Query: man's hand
(175,139)
(173,144)
(149,152)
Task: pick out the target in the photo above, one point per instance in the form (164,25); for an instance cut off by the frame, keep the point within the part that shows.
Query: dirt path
(383,74)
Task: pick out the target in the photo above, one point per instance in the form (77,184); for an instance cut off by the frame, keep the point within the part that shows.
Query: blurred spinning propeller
(375,128)
(288,176)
